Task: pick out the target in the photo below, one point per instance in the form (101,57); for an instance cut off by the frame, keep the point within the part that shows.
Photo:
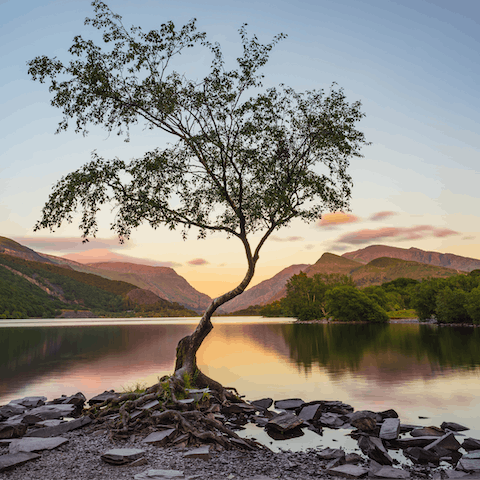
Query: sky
(414,65)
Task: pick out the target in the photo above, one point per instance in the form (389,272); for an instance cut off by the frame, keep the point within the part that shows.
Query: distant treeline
(448,300)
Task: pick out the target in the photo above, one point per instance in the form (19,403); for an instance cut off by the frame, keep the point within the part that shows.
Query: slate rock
(455,427)
(284,422)
(59,429)
(29,419)
(471,444)
(12,460)
(289,404)
(389,472)
(150,405)
(202,452)
(364,420)
(7,411)
(263,403)
(121,456)
(468,464)
(78,399)
(331,420)
(407,442)
(336,462)
(390,429)
(374,449)
(28,444)
(30,402)
(336,406)
(388,414)
(311,413)
(186,401)
(236,408)
(106,396)
(455,474)
(159,475)
(353,458)
(47,412)
(330,453)
(427,432)
(448,441)
(349,471)
(421,455)
(12,431)
(160,438)
(283,435)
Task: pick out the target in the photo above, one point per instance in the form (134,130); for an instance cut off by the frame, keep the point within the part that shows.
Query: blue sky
(413,64)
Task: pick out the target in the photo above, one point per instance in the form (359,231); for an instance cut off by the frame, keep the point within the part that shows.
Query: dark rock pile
(199,425)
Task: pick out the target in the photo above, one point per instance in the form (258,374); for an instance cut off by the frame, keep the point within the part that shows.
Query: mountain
(10,247)
(265,291)
(163,281)
(448,260)
(40,289)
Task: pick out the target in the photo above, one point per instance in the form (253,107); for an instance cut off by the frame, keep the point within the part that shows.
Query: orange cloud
(330,220)
(286,239)
(197,261)
(381,215)
(397,233)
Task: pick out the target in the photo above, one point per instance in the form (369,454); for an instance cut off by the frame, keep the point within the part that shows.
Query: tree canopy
(247,159)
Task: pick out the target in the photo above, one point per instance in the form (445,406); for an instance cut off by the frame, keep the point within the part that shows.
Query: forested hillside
(34,289)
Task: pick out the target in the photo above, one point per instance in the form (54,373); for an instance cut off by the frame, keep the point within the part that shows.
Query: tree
(305,298)
(247,160)
(349,304)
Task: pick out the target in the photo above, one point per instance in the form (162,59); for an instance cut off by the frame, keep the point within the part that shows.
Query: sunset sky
(414,64)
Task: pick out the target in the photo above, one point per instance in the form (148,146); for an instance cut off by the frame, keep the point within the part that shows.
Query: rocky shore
(70,438)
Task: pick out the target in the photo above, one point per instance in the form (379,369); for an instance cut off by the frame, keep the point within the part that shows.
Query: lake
(418,370)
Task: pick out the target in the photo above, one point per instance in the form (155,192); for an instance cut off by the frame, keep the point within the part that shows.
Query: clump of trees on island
(332,296)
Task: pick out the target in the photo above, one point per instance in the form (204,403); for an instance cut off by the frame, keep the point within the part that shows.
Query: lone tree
(247,160)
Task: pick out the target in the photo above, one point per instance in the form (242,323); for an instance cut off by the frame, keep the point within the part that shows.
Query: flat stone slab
(364,420)
(35,444)
(11,409)
(201,452)
(159,438)
(30,402)
(414,441)
(237,408)
(330,453)
(14,459)
(159,475)
(12,431)
(289,404)
(331,420)
(469,464)
(104,397)
(374,449)
(390,429)
(77,399)
(284,422)
(59,429)
(349,471)
(389,472)
(311,413)
(456,427)
(47,412)
(448,442)
(427,432)
(121,456)
(263,403)
(471,444)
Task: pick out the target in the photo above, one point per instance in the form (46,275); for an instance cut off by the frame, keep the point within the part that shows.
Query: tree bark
(186,357)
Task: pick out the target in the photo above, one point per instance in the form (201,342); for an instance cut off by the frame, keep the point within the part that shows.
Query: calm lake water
(419,370)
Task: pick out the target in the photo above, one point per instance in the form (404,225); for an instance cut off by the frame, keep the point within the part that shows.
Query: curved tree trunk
(186,358)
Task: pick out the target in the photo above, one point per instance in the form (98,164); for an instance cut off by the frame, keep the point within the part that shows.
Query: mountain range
(372,265)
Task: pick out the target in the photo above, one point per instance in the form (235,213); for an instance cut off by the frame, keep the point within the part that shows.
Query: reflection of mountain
(28,354)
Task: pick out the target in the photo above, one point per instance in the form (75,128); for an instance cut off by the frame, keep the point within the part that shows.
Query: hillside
(447,260)
(265,291)
(35,289)
(13,248)
(163,281)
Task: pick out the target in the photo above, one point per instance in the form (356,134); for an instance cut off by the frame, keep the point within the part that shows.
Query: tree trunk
(186,358)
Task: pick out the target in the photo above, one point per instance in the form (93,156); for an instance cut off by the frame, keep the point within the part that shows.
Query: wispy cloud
(376,217)
(286,239)
(65,244)
(395,233)
(331,220)
(97,255)
(197,262)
